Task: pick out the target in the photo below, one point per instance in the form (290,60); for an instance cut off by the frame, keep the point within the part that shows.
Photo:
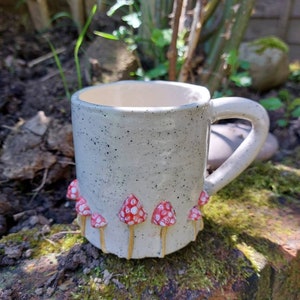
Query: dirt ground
(29,83)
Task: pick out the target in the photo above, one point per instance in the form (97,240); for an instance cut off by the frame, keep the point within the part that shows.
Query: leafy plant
(60,69)
(239,70)
(285,101)
(295,72)
(160,38)
(124,33)
(78,44)
(238,74)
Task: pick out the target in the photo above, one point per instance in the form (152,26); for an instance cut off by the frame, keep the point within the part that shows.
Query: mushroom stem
(131,241)
(201,208)
(195,229)
(82,223)
(201,225)
(163,234)
(102,240)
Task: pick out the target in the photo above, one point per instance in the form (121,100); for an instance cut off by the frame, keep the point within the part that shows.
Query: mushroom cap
(98,221)
(164,214)
(73,190)
(82,208)
(194,214)
(132,211)
(203,198)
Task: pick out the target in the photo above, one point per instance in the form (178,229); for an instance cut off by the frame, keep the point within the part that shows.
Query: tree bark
(155,14)
(229,37)
(172,52)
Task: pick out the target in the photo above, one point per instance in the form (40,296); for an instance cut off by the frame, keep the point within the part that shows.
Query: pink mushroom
(203,199)
(164,215)
(98,221)
(73,190)
(132,213)
(195,216)
(83,211)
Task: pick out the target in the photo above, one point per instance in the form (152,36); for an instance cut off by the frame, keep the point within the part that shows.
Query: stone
(13,251)
(40,144)
(108,61)
(225,139)
(21,155)
(269,65)
(59,138)
(38,124)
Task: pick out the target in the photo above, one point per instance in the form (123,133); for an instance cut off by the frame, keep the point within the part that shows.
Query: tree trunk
(155,14)
(228,38)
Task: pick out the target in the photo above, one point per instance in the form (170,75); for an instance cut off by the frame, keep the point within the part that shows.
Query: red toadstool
(98,221)
(132,213)
(164,215)
(203,199)
(73,190)
(194,216)
(83,211)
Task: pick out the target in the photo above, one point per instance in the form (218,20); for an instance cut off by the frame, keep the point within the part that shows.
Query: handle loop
(241,108)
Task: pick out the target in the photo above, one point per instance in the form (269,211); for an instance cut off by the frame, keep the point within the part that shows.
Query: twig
(58,234)
(193,39)
(49,241)
(49,76)
(47,56)
(172,52)
(19,215)
(37,190)
(43,181)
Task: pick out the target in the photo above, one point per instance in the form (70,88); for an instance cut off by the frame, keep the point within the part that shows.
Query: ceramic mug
(141,151)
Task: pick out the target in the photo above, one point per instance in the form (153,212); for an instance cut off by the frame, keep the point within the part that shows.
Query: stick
(172,52)
(193,41)
(42,58)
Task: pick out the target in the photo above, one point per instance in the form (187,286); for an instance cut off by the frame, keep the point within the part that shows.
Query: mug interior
(145,94)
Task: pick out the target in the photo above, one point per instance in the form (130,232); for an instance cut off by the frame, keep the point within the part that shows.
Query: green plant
(238,74)
(132,19)
(160,39)
(295,72)
(239,70)
(171,46)
(60,69)
(78,44)
(285,101)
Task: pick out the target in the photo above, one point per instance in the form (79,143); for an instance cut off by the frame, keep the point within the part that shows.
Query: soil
(28,86)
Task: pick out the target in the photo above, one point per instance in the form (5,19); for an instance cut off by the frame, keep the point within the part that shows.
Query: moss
(287,283)
(56,241)
(236,221)
(248,205)
(270,42)
(201,266)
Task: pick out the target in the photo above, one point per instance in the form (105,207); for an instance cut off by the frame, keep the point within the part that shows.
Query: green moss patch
(246,224)
(270,42)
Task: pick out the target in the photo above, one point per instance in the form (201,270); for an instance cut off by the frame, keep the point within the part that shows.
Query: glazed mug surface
(141,151)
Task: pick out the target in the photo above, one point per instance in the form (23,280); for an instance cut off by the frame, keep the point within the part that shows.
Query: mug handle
(241,108)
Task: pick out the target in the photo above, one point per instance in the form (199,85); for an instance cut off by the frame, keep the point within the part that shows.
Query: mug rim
(198,88)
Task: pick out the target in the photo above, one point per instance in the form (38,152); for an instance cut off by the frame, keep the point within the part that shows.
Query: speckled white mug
(141,151)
